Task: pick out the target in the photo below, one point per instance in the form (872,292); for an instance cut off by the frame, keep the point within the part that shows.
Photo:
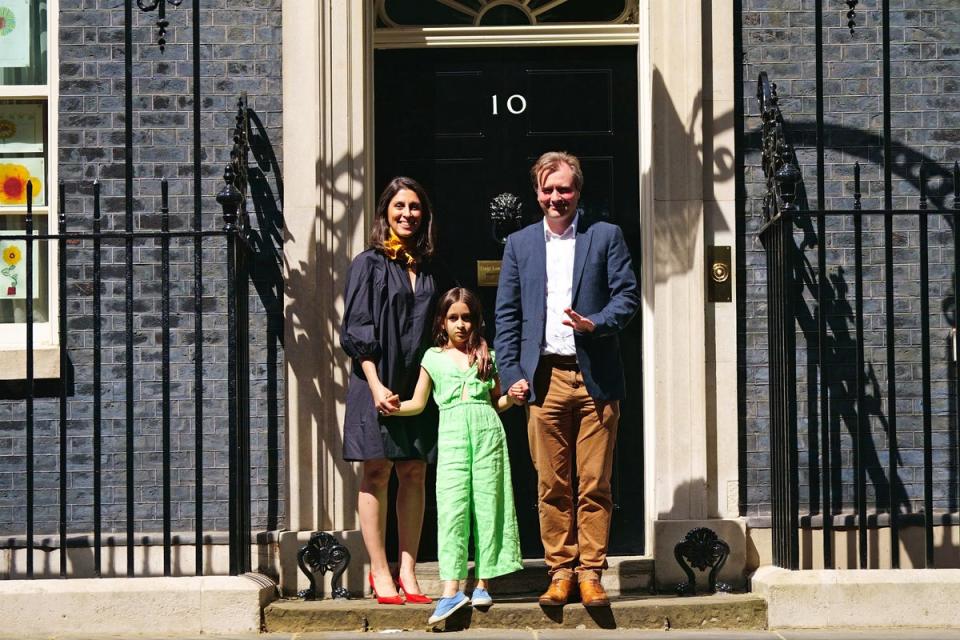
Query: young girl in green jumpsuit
(473,466)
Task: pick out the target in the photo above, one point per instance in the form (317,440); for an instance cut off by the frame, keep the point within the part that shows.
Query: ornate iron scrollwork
(701,548)
(852,14)
(437,13)
(779,164)
(162,22)
(506,214)
(321,554)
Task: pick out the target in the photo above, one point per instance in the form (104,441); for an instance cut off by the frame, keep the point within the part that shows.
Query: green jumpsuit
(473,474)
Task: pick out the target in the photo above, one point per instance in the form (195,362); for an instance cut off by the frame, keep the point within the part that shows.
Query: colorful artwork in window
(15,173)
(13,269)
(495,13)
(21,127)
(14,33)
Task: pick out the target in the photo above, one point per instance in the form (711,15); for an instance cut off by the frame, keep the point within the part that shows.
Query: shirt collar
(568,233)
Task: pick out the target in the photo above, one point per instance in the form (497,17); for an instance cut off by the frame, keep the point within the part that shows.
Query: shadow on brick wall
(833,355)
(318,369)
(267,276)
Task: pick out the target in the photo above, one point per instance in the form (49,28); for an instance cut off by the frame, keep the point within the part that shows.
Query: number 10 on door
(516,104)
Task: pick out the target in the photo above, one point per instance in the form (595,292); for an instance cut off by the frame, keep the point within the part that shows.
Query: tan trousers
(566,428)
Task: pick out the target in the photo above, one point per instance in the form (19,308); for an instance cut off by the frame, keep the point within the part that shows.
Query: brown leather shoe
(593,595)
(558,593)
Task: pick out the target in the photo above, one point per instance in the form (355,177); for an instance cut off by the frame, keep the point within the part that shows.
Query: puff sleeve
(360,331)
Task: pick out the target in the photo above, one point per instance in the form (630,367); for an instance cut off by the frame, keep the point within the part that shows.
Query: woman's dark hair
(424,240)
(475,342)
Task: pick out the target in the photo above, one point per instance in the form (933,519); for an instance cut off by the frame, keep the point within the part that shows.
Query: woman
(392,288)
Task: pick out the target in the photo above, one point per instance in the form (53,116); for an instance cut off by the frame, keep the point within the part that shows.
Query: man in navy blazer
(566,289)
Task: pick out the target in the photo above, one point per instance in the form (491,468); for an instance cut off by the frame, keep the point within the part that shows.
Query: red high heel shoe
(413,598)
(397,599)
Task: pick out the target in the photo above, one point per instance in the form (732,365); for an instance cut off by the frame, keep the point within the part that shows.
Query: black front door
(468,124)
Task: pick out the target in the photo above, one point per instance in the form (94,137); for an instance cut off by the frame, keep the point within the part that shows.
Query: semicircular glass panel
(454,13)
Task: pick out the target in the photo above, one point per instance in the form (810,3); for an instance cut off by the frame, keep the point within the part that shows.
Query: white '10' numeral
(512,104)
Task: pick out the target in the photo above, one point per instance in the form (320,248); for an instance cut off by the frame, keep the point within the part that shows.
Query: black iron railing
(233,240)
(809,298)
(202,424)
(783,177)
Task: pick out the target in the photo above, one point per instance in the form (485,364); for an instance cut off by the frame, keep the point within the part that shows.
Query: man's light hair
(550,162)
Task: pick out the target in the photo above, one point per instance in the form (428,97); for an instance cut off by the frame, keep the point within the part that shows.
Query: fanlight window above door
(496,13)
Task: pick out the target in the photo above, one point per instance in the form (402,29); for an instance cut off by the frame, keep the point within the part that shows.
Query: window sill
(46,362)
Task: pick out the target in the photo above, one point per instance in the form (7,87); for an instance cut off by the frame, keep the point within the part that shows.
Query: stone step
(720,611)
(625,575)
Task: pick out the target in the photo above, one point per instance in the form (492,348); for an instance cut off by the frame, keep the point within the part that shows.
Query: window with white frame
(27,156)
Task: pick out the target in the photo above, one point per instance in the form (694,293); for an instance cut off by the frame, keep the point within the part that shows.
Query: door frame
(566,36)
(522,36)
(327,92)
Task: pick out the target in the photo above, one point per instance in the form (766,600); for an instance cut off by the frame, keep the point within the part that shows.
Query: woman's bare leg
(410,501)
(373,519)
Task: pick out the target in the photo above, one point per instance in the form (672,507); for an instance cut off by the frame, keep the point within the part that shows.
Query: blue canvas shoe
(446,607)
(481,598)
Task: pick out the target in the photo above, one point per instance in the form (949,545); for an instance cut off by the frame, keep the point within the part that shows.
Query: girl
(473,467)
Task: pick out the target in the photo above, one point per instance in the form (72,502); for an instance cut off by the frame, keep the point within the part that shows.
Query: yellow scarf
(394,249)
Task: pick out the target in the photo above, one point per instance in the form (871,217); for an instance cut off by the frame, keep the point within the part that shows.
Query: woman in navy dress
(392,288)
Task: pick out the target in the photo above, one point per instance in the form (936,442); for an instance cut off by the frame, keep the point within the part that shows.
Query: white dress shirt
(558,337)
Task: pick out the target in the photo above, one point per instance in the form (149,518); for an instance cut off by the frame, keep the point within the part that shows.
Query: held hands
(386,401)
(579,323)
(519,391)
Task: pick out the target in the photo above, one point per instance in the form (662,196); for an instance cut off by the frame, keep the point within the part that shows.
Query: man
(566,289)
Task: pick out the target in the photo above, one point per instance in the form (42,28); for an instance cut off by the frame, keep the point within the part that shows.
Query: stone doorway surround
(685,61)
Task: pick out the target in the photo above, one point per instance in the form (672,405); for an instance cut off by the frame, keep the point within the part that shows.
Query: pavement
(535,634)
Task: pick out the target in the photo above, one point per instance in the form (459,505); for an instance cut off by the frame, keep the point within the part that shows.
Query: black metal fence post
(62,315)
(97,389)
(783,179)
(165,367)
(28,223)
(860,442)
(232,199)
(923,222)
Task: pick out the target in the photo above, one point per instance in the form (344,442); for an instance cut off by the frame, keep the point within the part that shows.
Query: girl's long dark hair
(475,341)
(424,241)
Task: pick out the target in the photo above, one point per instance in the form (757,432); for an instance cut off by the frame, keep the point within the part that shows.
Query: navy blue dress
(384,319)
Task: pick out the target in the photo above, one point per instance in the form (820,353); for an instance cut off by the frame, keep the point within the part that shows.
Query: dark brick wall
(240,52)
(778,37)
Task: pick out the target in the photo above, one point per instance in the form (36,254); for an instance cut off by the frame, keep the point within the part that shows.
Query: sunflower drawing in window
(15,32)
(11,258)
(14,178)
(8,21)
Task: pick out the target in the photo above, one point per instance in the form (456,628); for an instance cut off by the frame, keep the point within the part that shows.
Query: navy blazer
(604,290)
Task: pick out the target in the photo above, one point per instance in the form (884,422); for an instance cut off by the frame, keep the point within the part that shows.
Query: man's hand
(579,323)
(519,391)
(386,401)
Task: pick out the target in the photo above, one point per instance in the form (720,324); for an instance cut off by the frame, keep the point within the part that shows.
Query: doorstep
(719,611)
(625,575)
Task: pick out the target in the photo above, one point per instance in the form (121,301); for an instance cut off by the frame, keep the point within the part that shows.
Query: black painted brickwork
(778,37)
(240,52)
